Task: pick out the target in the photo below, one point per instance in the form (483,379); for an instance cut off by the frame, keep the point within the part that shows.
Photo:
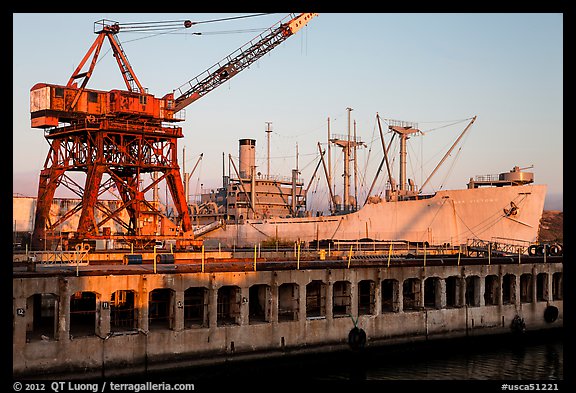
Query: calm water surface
(534,358)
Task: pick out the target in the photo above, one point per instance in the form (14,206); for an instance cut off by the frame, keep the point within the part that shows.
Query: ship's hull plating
(449,217)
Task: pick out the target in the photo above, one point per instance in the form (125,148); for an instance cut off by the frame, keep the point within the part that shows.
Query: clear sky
(433,69)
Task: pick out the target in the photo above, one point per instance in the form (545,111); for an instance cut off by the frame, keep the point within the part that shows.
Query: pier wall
(242,315)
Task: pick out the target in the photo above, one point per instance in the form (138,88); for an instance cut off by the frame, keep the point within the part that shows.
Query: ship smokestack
(247,157)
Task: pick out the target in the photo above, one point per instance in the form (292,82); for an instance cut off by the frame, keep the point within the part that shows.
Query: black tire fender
(357,338)
(551,314)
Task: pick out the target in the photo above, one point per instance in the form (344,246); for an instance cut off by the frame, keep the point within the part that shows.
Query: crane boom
(237,61)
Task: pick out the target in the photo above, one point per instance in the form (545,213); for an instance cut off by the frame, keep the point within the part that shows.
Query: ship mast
(329,174)
(355,170)
(347,166)
(268,131)
(404,129)
(347,144)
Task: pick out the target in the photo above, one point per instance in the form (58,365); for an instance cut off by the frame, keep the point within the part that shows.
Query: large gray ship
(252,208)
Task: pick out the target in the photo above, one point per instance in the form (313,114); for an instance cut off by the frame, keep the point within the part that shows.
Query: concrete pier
(88,322)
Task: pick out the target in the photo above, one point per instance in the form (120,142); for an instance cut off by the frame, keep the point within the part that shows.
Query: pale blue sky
(433,69)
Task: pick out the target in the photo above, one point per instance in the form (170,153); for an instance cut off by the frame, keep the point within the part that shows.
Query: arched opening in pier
(411,294)
(542,287)
(366,297)
(557,286)
(83,314)
(491,290)
(41,317)
(195,307)
(161,308)
(390,296)
(316,299)
(472,294)
(341,299)
(288,302)
(228,307)
(454,292)
(433,293)
(123,314)
(259,301)
(526,289)
(509,289)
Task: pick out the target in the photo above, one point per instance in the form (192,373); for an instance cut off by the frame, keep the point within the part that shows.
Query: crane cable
(173,24)
(233,17)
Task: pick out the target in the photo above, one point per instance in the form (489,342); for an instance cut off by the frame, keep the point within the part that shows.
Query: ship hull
(449,217)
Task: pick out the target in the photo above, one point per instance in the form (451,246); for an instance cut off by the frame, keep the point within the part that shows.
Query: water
(536,357)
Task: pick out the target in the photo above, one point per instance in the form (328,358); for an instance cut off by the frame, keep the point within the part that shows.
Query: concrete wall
(104,353)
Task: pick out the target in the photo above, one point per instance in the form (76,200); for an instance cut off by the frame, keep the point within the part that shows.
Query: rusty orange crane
(123,134)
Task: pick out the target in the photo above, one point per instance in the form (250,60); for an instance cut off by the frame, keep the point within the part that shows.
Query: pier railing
(498,246)
(78,257)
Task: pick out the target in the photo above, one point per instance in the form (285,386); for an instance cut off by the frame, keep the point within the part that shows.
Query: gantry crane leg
(87,223)
(49,180)
(176,188)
